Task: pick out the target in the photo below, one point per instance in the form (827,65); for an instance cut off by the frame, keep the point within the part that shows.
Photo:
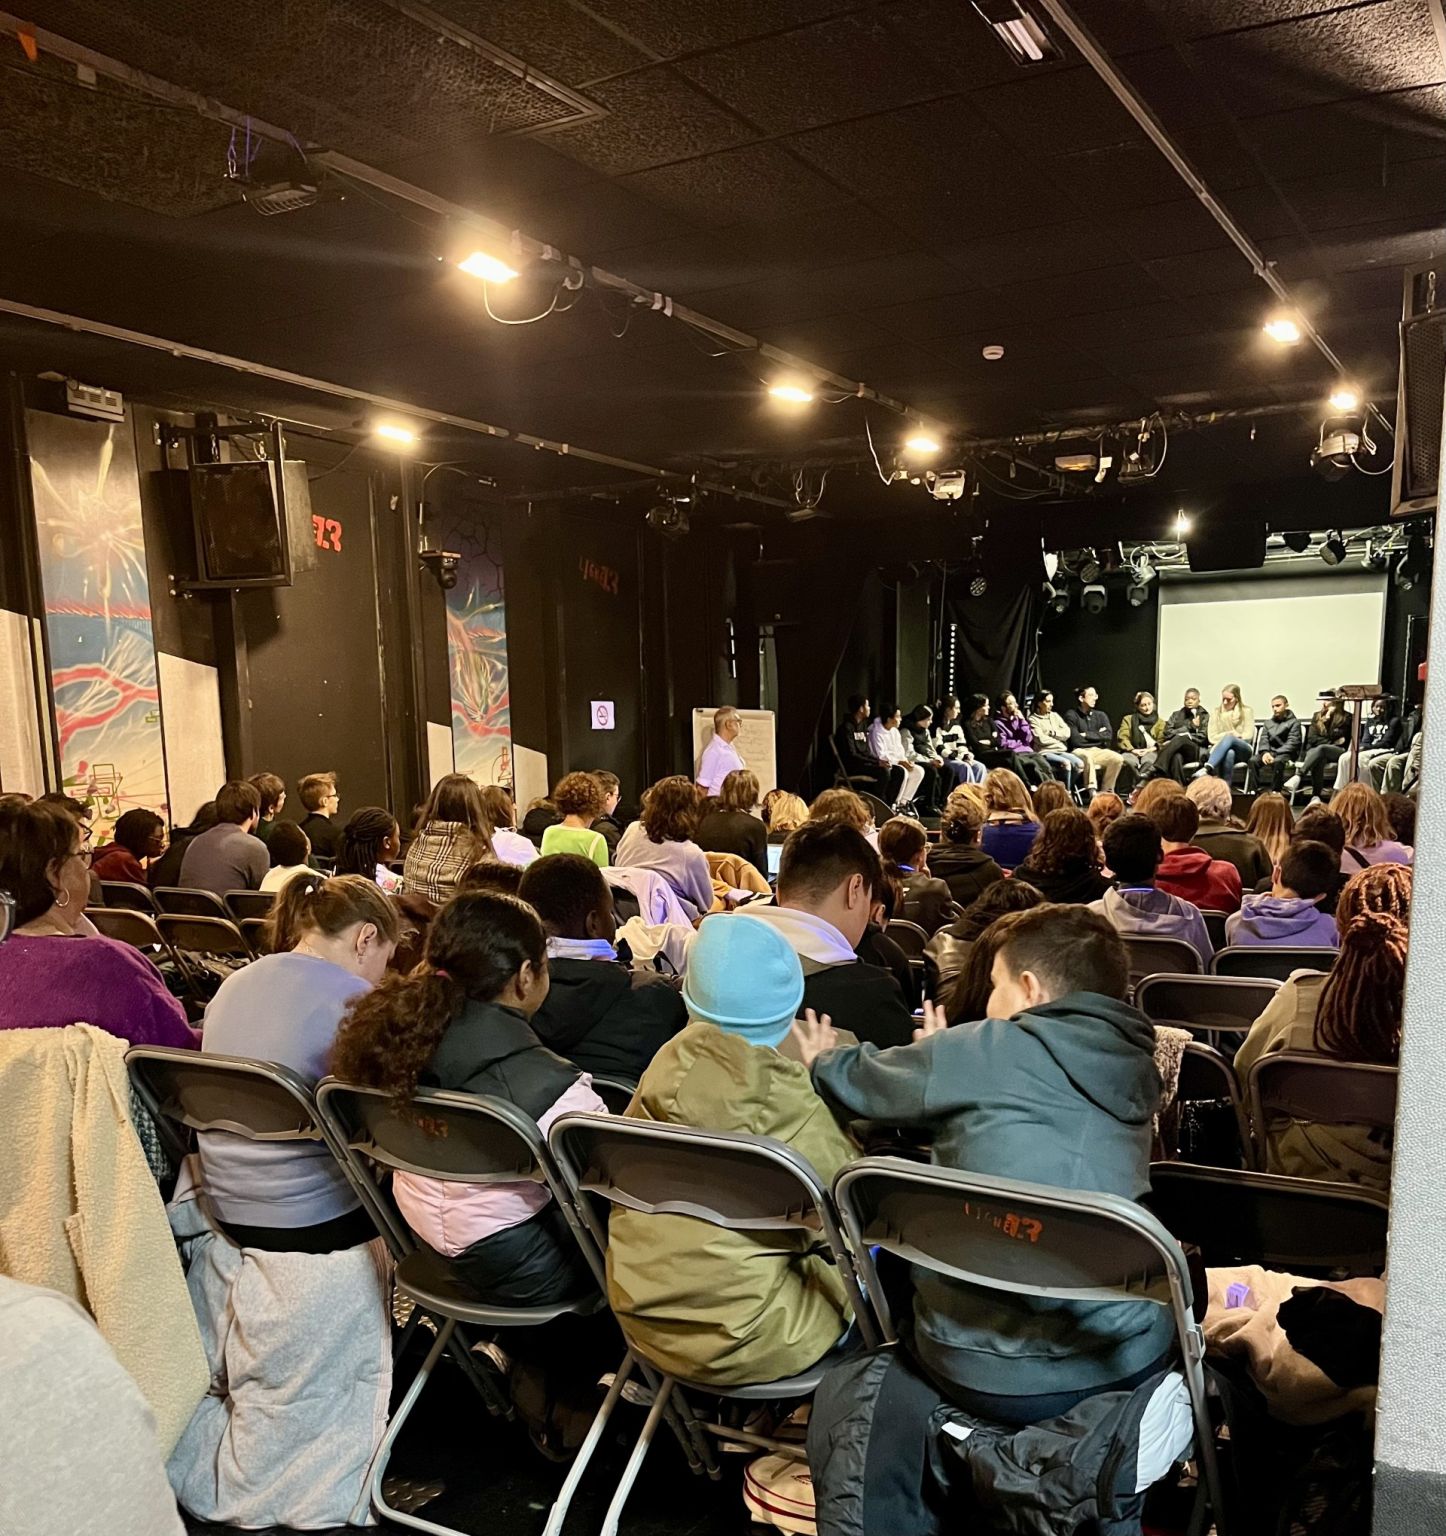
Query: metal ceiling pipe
(1135,104)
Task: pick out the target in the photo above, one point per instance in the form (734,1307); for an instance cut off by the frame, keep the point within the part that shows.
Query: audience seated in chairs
(1223,837)
(1401,813)
(964,952)
(1368,830)
(1187,871)
(321,800)
(1056,1085)
(732,1307)
(581,798)
(1051,796)
(55,969)
(452,834)
(1064,861)
(508,844)
(1351,1013)
(139,838)
(370,841)
(328,946)
(925,899)
(843,808)
(539,816)
(783,812)
(1104,808)
(881,949)
(663,840)
(492,875)
(1318,824)
(598,1013)
(166,870)
(1273,822)
(289,850)
(272,789)
(731,823)
(829,880)
(1134,906)
(463,1021)
(227,857)
(607,821)
(1298,913)
(1012,826)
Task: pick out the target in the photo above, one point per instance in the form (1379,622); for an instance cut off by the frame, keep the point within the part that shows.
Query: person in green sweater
(581,798)
(1056,1086)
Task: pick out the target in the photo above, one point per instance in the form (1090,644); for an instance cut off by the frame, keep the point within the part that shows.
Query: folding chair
(1257,960)
(256,931)
(1030,1240)
(742,1183)
(877,809)
(469,1139)
(1300,1085)
(217,937)
(243,904)
(1215,926)
(183,902)
(138,929)
(1149,957)
(1219,1009)
(126,894)
(1303,1226)
(616,1092)
(910,937)
(1205,1075)
(841,778)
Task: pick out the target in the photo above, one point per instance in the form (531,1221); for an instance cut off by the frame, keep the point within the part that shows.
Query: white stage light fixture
(978,585)
(921,444)
(1333,550)
(1093,598)
(1089,570)
(1283,330)
(1182,523)
(1332,456)
(790,392)
(1138,593)
(395,432)
(1345,397)
(491,269)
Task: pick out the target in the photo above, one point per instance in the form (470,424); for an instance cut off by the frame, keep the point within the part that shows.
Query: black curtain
(995,636)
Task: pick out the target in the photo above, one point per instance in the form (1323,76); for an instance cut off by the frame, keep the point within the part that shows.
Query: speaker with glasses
(1419,391)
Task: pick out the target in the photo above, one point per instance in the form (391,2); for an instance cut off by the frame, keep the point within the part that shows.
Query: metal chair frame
(1150,956)
(910,937)
(1202,1060)
(128,925)
(127,895)
(1319,1089)
(1254,962)
(185,901)
(243,904)
(1217,1009)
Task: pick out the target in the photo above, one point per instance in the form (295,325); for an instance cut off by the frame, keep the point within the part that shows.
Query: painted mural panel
(477,652)
(97,612)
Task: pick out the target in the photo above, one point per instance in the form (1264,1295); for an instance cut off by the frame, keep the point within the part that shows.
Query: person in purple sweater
(1291,915)
(1016,735)
(55,969)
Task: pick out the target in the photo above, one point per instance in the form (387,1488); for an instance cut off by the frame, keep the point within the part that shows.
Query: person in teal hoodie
(1057,1086)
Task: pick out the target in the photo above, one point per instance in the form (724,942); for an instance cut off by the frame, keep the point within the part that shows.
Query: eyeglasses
(84,853)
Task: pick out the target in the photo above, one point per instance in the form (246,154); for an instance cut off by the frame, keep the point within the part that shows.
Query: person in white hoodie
(886,742)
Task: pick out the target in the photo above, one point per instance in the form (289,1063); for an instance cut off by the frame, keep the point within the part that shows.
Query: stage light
(395,432)
(1283,329)
(1333,550)
(1414,565)
(1023,36)
(1345,397)
(1138,594)
(791,392)
(1089,570)
(491,269)
(1297,540)
(1182,524)
(921,444)
(1056,597)
(1375,559)
(1093,598)
(1332,458)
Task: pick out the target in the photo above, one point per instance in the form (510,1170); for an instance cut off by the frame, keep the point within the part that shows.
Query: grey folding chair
(1265,960)
(1217,1009)
(1215,926)
(616,1092)
(256,931)
(467,1139)
(218,937)
(1300,1085)
(185,902)
(910,937)
(1150,956)
(243,904)
(1303,1226)
(1031,1240)
(126,893)
(742,1183)
(126,925)
(1206,1075)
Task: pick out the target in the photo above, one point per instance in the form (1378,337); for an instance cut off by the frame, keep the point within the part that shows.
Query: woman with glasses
(55,969)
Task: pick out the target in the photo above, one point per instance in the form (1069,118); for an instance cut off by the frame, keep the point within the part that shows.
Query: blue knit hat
(744,977)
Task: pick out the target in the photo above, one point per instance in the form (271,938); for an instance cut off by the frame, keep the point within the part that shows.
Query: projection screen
(1274,634)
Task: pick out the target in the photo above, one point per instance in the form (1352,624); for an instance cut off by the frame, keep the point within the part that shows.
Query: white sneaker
(1292,784)
(1200,772)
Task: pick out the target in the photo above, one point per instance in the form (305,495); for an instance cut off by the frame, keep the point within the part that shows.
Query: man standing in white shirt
(720,756)
(886,742)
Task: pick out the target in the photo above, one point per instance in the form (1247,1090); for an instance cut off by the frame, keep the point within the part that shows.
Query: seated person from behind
(462,1021)
(321,798)
(55,970)
(904,848)
(662,840)
(166,870)
(140,835)
(949,953)
(957,859)
(1293,914)
(580,798)
(1064,861)
(1351,1013)
(508,843)
(1056,1086)
(1135,907)
(722,1306)
(289,849)
(1186,871)
(370,842)
(329,945)
(1222,836)
(828,882)
(228,857)
(599,1014)
(452,833)
(732,825)
(607,821)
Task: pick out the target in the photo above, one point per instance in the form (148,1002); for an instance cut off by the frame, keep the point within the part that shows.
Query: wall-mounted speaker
(1233,544)
(1420,387)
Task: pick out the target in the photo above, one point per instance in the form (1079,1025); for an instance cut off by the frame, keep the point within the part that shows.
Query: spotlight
(1089,570)
(668,518)
(1333,550)
(1138,593)
(442,563)
(1056,598)
(491,269)
(395,432)
(1297,540)
(1332,455)
(1023,36)
(921,444)
(1283,329)
(792,392)
(1375,559)
(1414,565)
(1182,523)
(1093,598)
(1345,397)
(978,585)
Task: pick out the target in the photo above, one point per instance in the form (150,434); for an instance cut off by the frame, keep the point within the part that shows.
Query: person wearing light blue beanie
(731,1308)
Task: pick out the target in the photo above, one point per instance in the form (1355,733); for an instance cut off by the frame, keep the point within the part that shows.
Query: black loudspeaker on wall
(1236,544)
(1419,392)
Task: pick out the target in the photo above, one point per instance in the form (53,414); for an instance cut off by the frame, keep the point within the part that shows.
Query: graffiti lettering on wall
(600,575)
(327,532)
(477,652)
(97,613)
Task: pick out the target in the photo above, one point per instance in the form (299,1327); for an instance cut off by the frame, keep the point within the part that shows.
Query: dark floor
(497,1484)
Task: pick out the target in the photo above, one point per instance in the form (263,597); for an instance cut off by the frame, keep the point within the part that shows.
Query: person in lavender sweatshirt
(55,969)
(1016,735)
(1291,914)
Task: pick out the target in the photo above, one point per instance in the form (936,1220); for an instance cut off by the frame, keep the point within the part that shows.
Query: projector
(949,486)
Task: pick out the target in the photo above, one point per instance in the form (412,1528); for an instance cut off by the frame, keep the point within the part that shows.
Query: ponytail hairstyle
(363,840)
(1359,1017)
(308,904)
(478,942)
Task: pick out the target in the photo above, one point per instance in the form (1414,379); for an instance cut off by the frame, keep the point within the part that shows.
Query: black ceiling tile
(490,171)
(1090,398)
(1024,343)
(1055,113)
(1162,319)
(750,306)
(1162,229)
(1200,272)
(1201,18)
(654,118)
(1075,246)
(1391,244)
(1373,133)
(948,315)
(1338,201)
(1130,175)
(907,276)
(900,369)
(686,26)
(1122,29)
(1105,288)
(830,336)
(757,182)
(557,36)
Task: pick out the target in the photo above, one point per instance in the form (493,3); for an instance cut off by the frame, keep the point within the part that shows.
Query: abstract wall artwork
(477,653)
(97,613)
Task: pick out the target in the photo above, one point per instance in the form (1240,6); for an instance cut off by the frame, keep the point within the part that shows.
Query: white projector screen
(1274,634)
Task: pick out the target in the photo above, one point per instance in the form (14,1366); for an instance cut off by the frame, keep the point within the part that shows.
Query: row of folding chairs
(1258,961)
(991,1232)
(181,901)
(184,941)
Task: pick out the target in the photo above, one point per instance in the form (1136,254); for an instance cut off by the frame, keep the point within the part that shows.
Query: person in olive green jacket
(701,1302)
(1141,735)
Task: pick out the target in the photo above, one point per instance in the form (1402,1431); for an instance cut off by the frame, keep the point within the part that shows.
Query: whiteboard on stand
(757,744)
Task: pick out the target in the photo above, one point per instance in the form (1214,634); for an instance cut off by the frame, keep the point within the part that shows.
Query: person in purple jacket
(1291,914)
(1016,735)
(55,969)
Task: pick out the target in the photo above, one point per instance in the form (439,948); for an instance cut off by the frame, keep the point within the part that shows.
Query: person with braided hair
(369,842)
(1350,1013)
(463,1021)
